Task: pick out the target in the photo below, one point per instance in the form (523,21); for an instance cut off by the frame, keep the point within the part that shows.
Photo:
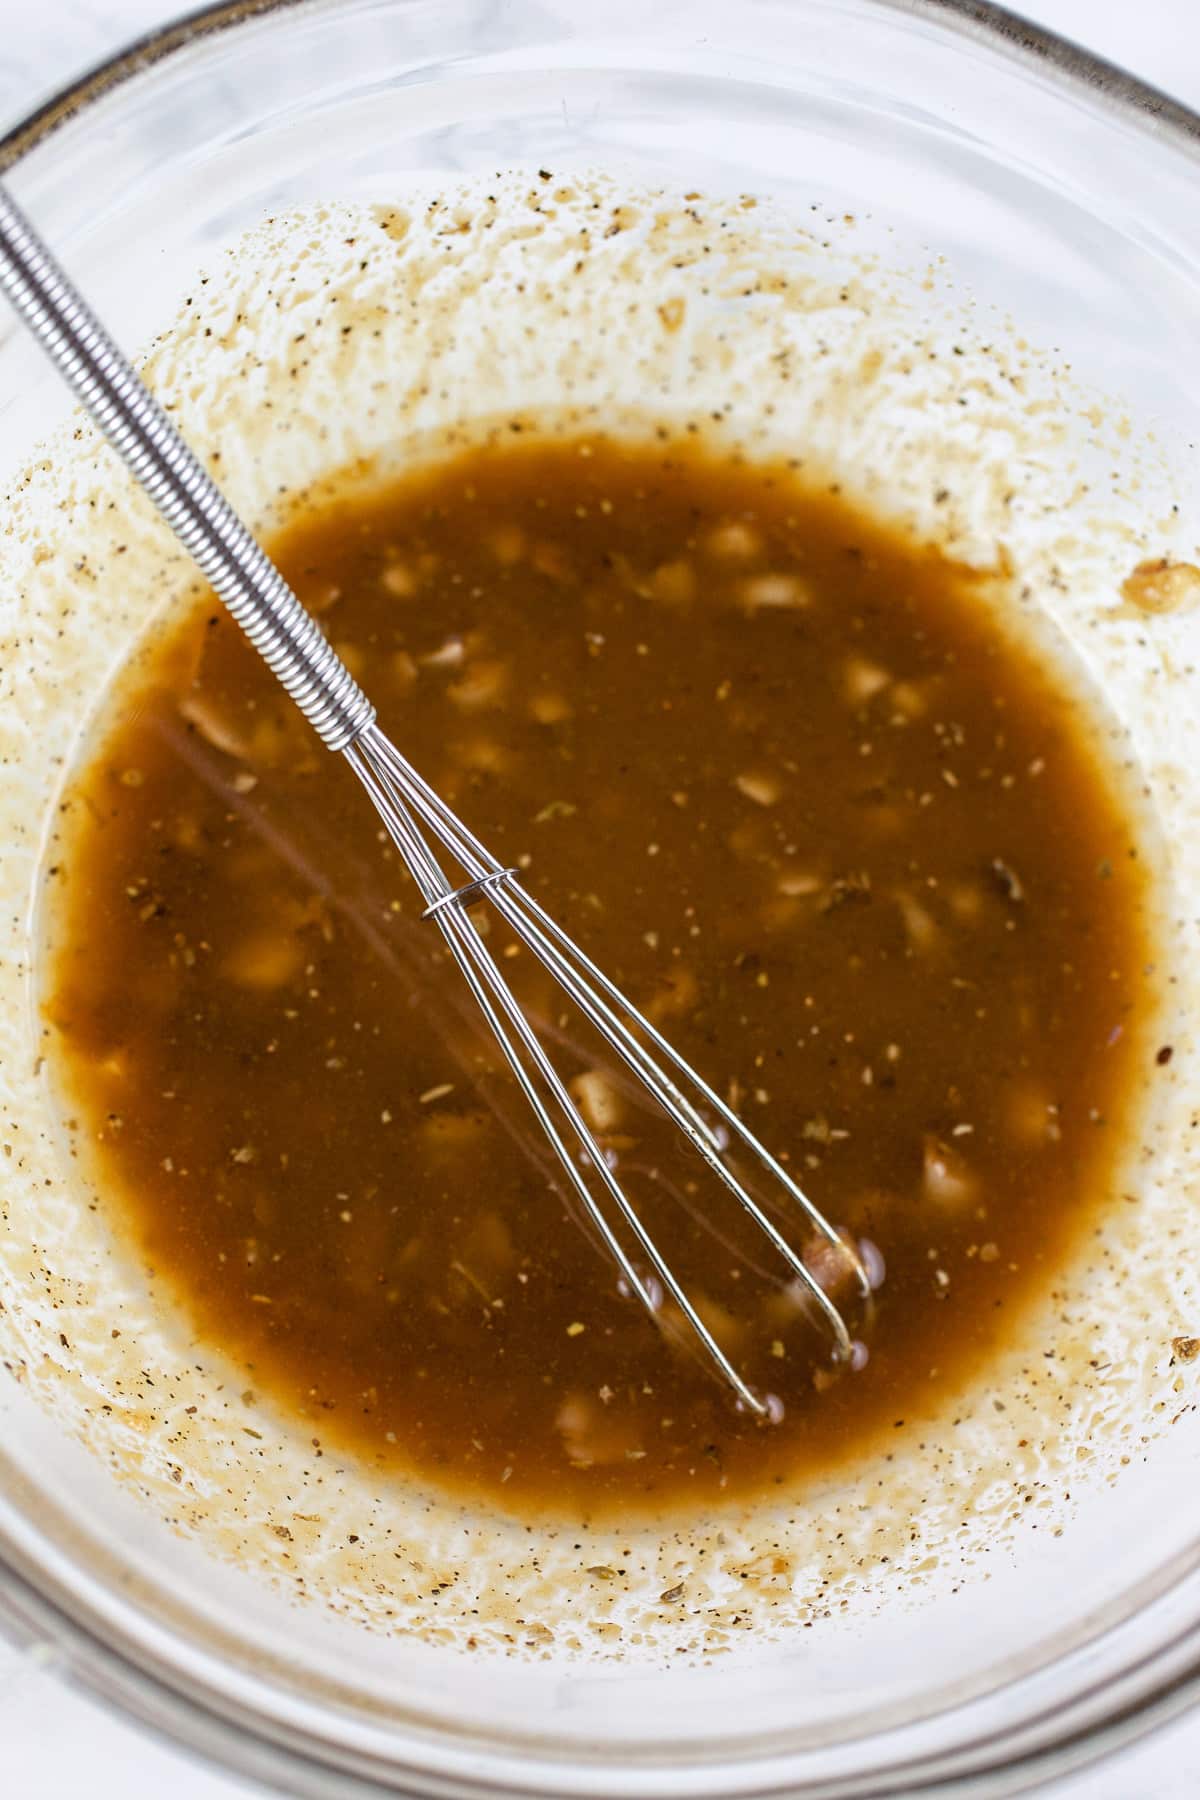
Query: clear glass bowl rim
(1157,1687)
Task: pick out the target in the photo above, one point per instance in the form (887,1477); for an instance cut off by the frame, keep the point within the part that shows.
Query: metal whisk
(294,648)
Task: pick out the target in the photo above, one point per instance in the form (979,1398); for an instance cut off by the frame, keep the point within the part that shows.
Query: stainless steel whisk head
(294,648)
(401,798)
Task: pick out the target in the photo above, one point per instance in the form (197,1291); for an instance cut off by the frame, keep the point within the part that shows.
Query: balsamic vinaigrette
(780,773)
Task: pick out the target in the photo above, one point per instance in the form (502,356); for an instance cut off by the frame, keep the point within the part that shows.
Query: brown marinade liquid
(779,772)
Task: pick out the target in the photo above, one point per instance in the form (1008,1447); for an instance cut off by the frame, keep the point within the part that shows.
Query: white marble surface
(55,1744)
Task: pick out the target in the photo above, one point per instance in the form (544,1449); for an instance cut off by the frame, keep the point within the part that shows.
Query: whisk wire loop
(616,1019)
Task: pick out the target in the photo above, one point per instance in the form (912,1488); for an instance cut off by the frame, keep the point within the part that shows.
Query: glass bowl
(1061,194)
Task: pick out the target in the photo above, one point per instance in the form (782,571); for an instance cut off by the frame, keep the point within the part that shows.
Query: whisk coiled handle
(284,634)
